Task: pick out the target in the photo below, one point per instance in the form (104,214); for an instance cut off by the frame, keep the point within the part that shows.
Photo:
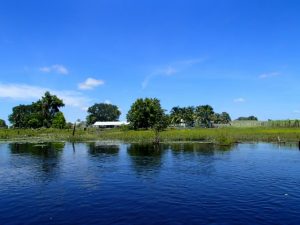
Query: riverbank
(221,135)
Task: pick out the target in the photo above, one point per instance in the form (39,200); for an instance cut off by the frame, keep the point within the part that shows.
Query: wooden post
(74,128)
(73,145)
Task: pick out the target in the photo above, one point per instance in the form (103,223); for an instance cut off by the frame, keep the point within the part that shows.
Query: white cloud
(268,75)
(107,101)
(60,69)
(90,83)
(31,93)
(239,100)
(296,111)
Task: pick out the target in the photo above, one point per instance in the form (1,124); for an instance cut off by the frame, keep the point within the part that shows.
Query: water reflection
(198,158)
(98,149)
(45,150)
(199,148)
(146,158)
(40,159)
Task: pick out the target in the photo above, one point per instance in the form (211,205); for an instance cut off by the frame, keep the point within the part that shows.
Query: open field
(220,135)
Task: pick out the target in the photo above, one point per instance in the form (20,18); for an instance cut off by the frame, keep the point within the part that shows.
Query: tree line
(148,113)
(144,113)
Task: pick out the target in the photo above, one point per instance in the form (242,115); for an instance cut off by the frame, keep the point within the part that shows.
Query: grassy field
(217,135)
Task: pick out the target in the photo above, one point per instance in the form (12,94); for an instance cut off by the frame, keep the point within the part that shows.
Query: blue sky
(242,57)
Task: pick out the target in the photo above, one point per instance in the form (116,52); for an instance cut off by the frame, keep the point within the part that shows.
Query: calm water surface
(94,183)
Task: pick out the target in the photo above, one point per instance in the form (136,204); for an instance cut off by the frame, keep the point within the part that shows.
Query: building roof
(110,123)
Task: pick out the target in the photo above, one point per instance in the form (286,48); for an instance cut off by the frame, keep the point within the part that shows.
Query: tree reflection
(199,148)
(197,158)
(146,158)
(45,156)
(45,150)
(97,149)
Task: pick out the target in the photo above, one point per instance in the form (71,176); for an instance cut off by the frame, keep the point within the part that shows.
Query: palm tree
(204,115)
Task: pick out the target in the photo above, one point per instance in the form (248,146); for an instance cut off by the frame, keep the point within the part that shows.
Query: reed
(224,135)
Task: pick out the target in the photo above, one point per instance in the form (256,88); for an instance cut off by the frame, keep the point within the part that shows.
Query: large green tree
(37,114)
(204,115)
(147,113)
(49,105)
(102,112)
(26,116)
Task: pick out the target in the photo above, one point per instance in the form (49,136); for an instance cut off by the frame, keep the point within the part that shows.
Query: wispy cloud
(167,71)
(31,93)
(268,75)
(239,100)
(107,101)
(90,83)
(297,111)
(60,69)
(171,69)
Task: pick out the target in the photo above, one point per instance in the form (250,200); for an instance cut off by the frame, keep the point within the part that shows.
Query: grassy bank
(220,135)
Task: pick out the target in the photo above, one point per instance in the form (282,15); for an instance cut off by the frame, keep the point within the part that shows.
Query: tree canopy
(147,113)
(202,115)
(3,124)
(38,114)
(102,112)
(59,121)
(183,115)
(222,118)
(248,118)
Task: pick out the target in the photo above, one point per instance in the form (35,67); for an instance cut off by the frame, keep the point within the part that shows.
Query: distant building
(110,124)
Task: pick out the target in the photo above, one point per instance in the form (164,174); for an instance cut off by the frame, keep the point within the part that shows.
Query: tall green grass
(221,136)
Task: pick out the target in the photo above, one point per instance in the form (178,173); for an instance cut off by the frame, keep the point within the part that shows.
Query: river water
(107,183)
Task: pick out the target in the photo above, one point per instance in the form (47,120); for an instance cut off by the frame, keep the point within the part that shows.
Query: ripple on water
(91,183)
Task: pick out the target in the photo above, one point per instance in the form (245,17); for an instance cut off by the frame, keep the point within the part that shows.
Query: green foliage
(59,121)
(26,116)
(3,124)
(124,128)
(38,114)
(223,118)
(102,112)
(147,113)
(182,115)
(224,139)
(49,105)
(248,118)
(33,123)
(204,115)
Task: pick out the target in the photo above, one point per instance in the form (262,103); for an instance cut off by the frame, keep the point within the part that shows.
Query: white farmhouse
(109,124)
